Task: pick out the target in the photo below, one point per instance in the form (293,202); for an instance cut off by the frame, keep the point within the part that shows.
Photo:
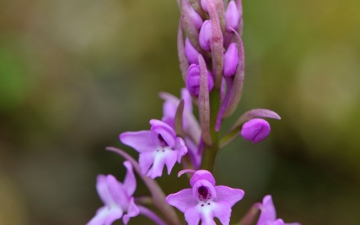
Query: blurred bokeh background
(76,73)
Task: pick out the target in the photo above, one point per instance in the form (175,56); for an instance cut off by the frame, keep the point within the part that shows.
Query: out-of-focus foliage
(76,73)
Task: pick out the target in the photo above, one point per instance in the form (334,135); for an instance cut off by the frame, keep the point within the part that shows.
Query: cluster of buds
(212,62)
(211,55)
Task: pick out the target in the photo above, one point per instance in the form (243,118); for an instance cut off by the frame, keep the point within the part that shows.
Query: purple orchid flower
(190,125)
(268,213)
(117,198)
(204,200)
(157,147)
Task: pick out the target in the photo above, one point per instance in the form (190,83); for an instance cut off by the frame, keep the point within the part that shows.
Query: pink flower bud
(197,20)
(231,60)
(205,35)
(255,130)
(204,5)
(191,53)
(193,80)
(232,17)
(190,18)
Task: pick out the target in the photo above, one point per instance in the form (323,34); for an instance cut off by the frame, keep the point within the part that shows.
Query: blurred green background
(76,73)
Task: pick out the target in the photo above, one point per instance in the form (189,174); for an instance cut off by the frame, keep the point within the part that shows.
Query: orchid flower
(117,198)
(190,125)
(204,200)
(268,213)
(157,147)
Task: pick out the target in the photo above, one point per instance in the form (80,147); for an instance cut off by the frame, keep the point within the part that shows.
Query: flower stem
(209,152)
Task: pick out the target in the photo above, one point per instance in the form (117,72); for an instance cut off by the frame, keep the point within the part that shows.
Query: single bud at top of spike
(205,35)
(255,130)
(231,60)
(193,80)
(191,53)
(231,17)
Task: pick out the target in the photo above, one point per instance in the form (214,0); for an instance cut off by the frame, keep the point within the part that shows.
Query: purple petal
(222,211)
(117,191)
(191,53)
(141,141)
(166,156)
(130,180)
(114,214)
(232,17)
(192,216)
(193,80)
(203,183)
(268,213)
(103,190)
(202,175)
(182,200)
(160,128)
(170,160)
(180,148)
(187,99)
(236,85)
(255,130)
(146,159)
(277,222)
(229,195)
(231,60)
(205,35)
(105,215)
(204,5)
(132,211)
(194,153)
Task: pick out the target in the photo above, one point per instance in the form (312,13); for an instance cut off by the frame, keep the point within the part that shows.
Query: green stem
(210,152)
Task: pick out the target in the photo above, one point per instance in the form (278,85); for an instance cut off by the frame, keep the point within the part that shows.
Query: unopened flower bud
(190,18)
(193,80)
(196,18)
(204,5)
(255,130)
(191,53)
(231,17)
(231,60)
(205,35)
